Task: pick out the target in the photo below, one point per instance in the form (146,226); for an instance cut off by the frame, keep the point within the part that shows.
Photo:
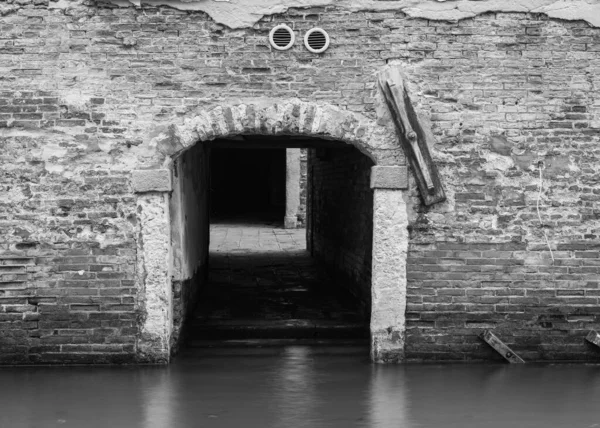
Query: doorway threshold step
(275,343)
(276,329)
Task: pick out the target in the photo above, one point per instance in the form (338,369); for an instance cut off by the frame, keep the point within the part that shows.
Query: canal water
(300,387)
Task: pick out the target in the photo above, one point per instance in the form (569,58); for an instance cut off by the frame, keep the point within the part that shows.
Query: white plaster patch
(497,162)
(246,13)
(75,100)
(54,168)
(60,4)
(50,151)
(13,195)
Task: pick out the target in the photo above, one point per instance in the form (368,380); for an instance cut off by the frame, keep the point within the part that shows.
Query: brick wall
(340,217)
(84,90)
(67,260)
(504,92)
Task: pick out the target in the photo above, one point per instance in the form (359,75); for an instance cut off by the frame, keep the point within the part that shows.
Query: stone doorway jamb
(153,270)
(388,266)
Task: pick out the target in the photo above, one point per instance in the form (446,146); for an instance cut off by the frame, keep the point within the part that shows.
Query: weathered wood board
(500,347)
(415,136)
(593,337)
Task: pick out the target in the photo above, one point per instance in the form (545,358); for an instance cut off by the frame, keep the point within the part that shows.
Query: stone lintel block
(389,177)
(151,180)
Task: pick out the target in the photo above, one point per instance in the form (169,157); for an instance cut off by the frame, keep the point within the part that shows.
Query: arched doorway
(267,285)
(162,221)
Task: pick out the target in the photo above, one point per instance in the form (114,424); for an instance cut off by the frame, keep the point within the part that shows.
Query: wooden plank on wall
(415,136)
(593,337)
(500,347)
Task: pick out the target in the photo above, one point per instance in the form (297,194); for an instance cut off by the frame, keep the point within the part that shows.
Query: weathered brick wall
(84,90)
(67,257)
(504,92)
(340,217)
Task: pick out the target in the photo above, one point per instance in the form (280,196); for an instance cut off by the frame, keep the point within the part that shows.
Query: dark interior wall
(340,217)
(248,183)
(189,231)
(303,186)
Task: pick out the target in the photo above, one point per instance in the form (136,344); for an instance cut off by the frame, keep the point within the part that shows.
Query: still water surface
(300,387)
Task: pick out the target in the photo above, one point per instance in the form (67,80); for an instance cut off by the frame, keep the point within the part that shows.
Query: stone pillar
(153,274)
(292,188)
(390,247)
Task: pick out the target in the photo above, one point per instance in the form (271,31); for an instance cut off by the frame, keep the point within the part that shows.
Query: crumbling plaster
(246,13)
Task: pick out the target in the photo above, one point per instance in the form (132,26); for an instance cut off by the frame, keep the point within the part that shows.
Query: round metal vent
(282,37)
(316,40)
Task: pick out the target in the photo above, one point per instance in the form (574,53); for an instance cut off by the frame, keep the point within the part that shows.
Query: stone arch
(375,139)
(291,117)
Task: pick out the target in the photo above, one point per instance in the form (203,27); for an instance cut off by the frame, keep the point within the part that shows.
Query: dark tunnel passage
(247,184)
(256,283)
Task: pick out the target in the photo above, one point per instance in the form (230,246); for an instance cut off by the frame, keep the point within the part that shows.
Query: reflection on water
(388,392)
(155,392)
(295,382)
(300,387)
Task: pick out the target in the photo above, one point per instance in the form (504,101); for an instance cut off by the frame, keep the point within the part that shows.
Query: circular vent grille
(316,40)
(282,37)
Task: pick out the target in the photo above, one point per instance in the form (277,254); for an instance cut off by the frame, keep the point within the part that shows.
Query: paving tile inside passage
(253,238)
(261,272)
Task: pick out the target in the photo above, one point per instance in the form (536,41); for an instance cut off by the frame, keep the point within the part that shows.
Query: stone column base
(290,222)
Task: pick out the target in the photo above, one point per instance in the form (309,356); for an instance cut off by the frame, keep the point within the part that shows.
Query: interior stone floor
(264,288)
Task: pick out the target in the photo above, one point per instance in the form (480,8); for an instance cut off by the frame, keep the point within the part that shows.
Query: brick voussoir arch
(290,117)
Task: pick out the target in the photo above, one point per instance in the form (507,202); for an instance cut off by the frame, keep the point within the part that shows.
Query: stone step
(360,344)
(276,329)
